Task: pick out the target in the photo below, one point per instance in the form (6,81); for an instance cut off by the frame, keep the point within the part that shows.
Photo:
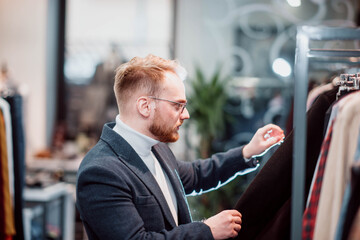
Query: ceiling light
(294,3)
(282,67)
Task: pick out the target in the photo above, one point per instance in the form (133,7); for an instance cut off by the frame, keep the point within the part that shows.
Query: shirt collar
(142,144)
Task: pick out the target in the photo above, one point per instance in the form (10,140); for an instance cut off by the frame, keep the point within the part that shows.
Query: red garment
(309,217)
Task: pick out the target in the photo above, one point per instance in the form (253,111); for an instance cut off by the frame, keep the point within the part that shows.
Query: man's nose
(185,114)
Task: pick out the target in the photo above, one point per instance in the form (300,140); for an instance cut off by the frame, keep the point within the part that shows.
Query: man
(130,186)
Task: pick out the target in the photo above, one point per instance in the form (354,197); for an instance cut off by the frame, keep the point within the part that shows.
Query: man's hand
(264,138)
(225,224)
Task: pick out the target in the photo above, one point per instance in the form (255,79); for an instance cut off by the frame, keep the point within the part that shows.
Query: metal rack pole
(298,171)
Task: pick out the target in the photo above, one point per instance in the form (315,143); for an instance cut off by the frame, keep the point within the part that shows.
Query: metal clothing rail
(313,53)
(303,56)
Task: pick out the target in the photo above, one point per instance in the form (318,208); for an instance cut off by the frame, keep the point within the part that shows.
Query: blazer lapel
(136,164)
(183,207)
(132,160)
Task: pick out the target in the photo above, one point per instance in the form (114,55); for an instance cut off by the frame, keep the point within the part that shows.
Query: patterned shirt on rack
(309,217)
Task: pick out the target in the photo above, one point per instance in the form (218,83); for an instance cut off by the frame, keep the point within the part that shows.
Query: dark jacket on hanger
(16,109)
(266,204)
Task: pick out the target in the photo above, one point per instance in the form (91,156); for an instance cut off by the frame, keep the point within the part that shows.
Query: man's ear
(143,106)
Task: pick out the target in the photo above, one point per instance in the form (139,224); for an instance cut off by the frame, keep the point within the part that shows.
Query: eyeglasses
(179,106)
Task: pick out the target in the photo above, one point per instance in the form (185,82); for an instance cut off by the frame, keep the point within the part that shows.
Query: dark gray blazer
(118,197)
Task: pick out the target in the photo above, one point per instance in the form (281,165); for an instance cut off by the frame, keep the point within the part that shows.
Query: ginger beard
(162,129)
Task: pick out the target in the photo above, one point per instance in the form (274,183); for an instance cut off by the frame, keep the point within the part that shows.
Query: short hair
(144,74)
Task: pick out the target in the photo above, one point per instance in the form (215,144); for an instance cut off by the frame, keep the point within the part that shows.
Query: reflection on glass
(99,37)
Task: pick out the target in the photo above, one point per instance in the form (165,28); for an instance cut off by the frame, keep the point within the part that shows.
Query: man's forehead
(172,76)
(174,83)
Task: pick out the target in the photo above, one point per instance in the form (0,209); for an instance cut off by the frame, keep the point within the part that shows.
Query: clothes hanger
(347,83)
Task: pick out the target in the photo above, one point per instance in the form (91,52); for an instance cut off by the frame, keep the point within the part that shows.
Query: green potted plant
(207,99)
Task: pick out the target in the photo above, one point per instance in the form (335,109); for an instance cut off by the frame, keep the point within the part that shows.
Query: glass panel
(100,35)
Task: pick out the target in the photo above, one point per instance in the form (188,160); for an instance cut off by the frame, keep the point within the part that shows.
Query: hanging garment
(329,117)
(354,201)
(315,92)
(265,205)
(5,108)
(310,211)
(349,192)
(276,229)
(355,229)
(16,111)
(7,224)
(345,205)
(337,169)
(342,98)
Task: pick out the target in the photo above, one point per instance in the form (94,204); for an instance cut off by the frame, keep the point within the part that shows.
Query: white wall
(23,47)
(196,42)
(138,27)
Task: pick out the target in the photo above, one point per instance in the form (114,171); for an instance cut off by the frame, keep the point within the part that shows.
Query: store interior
(58,57)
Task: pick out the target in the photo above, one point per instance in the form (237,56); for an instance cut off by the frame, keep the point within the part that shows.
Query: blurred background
(59,57)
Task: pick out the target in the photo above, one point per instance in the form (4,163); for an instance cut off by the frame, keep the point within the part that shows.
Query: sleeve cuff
(253,161)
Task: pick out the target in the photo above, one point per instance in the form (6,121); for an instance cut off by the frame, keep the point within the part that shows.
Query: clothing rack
(17,152)
(304,54)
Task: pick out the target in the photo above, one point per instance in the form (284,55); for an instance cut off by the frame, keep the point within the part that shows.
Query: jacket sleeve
(206,174)
(109,209)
